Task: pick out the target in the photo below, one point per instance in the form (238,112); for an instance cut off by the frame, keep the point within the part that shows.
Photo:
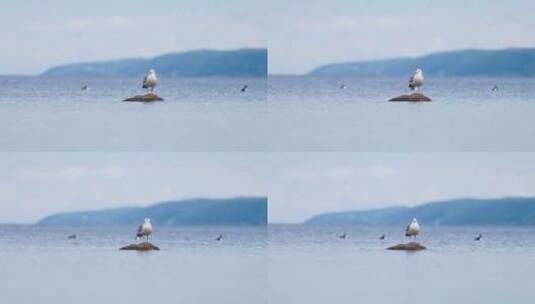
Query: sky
(46,33)
(300,34)
(299,185)
(33,185)
(306,184)
(305,34)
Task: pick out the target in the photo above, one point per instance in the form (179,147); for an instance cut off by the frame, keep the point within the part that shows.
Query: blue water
(41,265)
(279,114)
(284,264)
(43,114)
(313,114)
(311,265)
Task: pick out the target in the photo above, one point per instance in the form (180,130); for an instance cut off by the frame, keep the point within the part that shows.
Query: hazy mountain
(504,211)
(233,211)
(200,63)
(509,62)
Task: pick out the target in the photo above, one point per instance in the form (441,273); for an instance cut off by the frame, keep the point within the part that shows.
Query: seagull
(413,229)
(478,238)
(495,88)
(383,237)
(219,237)
(72,236)
(150,81)
(417,80)
(144,230)
(245,87)
(343,236)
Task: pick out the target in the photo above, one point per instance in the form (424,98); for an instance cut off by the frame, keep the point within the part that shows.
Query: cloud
(74,173)
(98,23)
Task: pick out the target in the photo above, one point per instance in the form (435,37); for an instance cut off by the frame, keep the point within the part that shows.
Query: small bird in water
(343,236)
(416,81)
(479,237)
(72,236)
(244,88)
(413,229)
(150,81)
(495,88)
(85,87)
(383,237)
(219,237)
(343,86)
(144,230)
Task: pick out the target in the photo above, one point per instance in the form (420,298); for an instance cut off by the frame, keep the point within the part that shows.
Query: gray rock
(414,97)
(145,98)
(145,246)
(412,246)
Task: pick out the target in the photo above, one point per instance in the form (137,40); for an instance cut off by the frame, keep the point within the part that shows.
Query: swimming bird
(413,229)
(150,81)
(417,80)
(343,236)
(383,237)
(219,237)
(478,238)
(245,87)
(144,230)
(495,88)
(72,236)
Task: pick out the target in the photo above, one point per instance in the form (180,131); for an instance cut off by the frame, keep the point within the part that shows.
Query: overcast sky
(39,34)
(306,184)
(301,34)
(299,185)
(307,33)
(33,185)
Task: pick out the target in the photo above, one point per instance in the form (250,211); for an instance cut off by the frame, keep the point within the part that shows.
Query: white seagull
(144,230)
(417,80)
(413,229)
(150,81)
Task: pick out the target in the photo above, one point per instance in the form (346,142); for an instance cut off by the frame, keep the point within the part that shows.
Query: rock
(145,246)
(414,97)
(145,98)
(412,246)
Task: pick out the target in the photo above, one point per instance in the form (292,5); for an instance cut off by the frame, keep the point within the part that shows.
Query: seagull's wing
(407,229)
(139,231)
(145,82)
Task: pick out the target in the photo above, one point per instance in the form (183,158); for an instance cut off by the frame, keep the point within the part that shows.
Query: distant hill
(200,63)
(234,211)
(505,211)
(508,62)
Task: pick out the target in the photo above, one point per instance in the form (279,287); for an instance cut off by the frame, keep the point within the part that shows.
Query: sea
(278,264)
(282,113)
(315,114)
(40,264)
(313,265)
(55,114)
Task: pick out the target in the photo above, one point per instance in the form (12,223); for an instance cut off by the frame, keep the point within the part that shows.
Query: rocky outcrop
(145,246)
(145,98)
(414,97)
(412,246)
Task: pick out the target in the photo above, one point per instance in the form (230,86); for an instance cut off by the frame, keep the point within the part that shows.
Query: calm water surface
(40,113)
(40,265)
(284,264)
(312,113)
(313,265)
(282,114)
